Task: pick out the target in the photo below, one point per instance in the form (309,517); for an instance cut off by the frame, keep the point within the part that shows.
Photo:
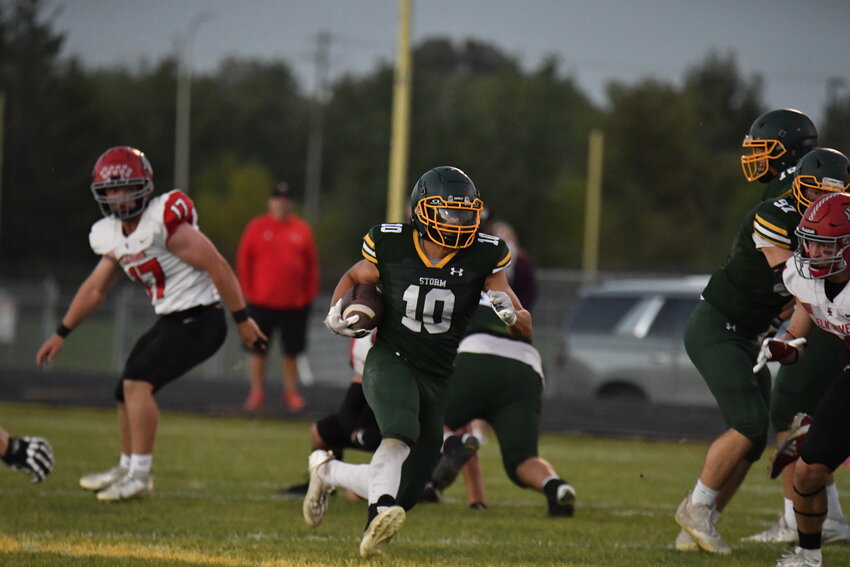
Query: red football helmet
(122,166)
(824,234)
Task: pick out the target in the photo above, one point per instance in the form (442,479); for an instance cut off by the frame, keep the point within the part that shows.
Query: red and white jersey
(831,316)
(172,284)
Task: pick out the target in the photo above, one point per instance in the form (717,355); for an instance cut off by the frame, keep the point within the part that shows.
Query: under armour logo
(731,327)
(456,272)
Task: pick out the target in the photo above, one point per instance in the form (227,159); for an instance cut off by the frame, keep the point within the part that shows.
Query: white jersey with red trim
(172,284)
(831,316)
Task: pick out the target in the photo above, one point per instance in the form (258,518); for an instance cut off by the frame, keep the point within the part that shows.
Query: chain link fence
(31,311)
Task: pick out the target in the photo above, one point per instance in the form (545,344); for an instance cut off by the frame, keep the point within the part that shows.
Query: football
(365,300)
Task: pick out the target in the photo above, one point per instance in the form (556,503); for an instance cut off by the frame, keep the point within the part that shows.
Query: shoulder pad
(101,237)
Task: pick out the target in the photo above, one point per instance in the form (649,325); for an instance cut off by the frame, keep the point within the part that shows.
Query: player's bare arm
(522,327)
(361,272)
(801,323)
(194,248)
(89,296)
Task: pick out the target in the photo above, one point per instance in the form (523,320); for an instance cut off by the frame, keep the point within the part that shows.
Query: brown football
(366,300)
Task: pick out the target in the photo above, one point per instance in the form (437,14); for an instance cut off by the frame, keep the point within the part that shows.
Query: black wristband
(240,316)
(63,331)
(11,451)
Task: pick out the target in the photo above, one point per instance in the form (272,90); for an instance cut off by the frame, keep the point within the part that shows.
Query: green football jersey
(779,186)
(427,306)
(745,288)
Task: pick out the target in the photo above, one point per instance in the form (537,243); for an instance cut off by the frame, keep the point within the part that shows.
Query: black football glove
(32,455)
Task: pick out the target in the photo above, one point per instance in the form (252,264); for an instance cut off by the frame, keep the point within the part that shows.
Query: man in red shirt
(277,265)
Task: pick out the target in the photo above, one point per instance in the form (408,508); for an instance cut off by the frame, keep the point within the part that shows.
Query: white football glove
(32,455)
(503,306)
(336,324)
(778,349)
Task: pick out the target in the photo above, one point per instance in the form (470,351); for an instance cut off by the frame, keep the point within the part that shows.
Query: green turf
(216,505)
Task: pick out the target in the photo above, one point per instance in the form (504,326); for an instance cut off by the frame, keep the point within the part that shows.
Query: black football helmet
(777,139)
(822,170)
(446,207)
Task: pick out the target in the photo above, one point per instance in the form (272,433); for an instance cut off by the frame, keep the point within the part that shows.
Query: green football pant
(725,355)
(506,394)
(800,386)
(409,406)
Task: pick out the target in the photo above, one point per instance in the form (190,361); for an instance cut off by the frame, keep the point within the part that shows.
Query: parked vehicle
(624,340)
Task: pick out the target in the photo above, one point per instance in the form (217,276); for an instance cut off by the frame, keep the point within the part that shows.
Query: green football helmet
(776,140)
(446,207)
(822,170)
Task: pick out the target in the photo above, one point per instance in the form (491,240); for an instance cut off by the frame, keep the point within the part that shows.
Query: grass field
(216,505)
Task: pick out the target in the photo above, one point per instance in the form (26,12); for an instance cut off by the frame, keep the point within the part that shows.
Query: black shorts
(828,441)
(354,413)
(292,324)
(174,345)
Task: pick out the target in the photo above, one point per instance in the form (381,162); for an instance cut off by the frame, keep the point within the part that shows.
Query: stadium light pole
(400,137)
(184,87)
(313,178)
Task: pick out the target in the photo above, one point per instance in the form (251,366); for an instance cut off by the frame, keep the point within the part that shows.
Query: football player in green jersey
(776,142)
(499,379)
(431,273)
(799,387)
(740,302)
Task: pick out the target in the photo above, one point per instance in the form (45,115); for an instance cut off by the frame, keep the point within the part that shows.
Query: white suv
(624,340)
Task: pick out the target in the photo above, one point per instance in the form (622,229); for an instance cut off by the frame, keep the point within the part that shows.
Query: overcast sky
(797,45)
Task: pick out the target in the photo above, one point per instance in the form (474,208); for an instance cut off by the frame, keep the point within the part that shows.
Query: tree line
(673,192)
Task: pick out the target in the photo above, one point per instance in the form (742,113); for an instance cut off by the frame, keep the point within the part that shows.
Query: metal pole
(313,181)
(184,98)
(400,140)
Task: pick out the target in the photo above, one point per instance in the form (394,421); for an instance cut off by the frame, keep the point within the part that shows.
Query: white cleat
(684,542)
(99,481)
(801,558)
(777,533)
(316,499)
(381,530)
(698,520)
(129,486)
(836,531)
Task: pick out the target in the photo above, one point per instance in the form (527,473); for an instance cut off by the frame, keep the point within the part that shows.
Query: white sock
(548,478)
(790,518)
(704,495)
(141,463)
(834,512)
(385,469)
(347,475)
(124,461)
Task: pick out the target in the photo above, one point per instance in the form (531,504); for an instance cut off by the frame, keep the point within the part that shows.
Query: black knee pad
(759,444)
(332,432)
(511,464)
